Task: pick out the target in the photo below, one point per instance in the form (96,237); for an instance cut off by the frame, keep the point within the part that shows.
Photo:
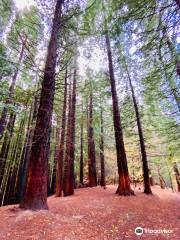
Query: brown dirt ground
(95,213)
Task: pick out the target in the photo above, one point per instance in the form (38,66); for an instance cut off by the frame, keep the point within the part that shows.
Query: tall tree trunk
(36,189)
(6,145)
(9,100)
(11,188)
(170,178)
(18,163)
(52,139)
(177,175)
(68,182)
(102,180)
(68,132)
(170,83)
(91,148)
(60,154)
(81,167)
(26,150)
(147,187)
(56,154)
(124,187)
(73,125)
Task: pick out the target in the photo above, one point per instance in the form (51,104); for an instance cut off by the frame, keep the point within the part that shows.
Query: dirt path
(95,213)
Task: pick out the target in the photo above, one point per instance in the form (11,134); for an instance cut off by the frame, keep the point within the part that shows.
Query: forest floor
(95,213)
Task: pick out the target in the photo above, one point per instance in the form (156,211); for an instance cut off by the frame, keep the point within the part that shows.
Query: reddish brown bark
(161,179)
(102,180)
(124,187)
(26,150)
(81,167)
(162,185)
(91,148)
(36,189)
(68,179)
(66,164)
(52,185)
(147,187)
(151,178)
(177,175)
(60,156)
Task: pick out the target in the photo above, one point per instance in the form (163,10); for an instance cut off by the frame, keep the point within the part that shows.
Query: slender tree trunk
(26,150)
(6,145)
(56,154)
(18,163)
(66,164)
(36,189)
(9,100)
(151,178)
(73,125)
(23,155)
(170,178)
(177,175)
(8,168)
(124,187)
(170,83)
(91,148)
(52,139)
(174,56)
(60,155)
(161,179)
(81,167)
(102,180)
(11,188)
(162,185)
(147,187)
(68,180)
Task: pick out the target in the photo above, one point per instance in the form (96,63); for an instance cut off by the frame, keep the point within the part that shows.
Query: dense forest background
(73,71)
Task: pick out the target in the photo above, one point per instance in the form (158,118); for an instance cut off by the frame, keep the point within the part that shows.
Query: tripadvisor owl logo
(139,231)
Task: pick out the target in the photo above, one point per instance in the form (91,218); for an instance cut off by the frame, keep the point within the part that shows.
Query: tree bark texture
(35,197)
(124,187)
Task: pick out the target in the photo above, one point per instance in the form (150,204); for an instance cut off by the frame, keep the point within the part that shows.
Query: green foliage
(5,13)
(5,66)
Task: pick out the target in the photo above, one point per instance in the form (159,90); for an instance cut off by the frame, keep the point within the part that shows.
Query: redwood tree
(60,156)
(124,187)
(102,180)
(147,187)
(81,176)
(26,150)
(177,175)
(36,189)
(68,179)
(91,147)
